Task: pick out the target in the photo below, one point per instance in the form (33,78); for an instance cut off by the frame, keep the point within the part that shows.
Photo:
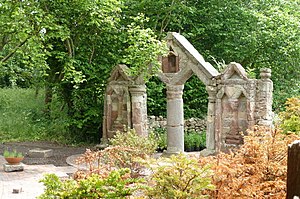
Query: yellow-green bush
(179,177)
(290,118)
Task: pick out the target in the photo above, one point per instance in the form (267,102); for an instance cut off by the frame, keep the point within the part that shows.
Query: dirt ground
(60,152)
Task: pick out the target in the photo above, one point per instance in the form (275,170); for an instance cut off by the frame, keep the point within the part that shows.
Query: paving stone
(40,153)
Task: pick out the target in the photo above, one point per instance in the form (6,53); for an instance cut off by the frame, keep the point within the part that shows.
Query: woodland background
(56,56)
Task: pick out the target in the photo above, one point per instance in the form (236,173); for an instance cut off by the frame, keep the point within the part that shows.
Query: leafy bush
(290,118)
(124,151)
(178,177)
(146,145)
(156,97)
(161,136)
(194,141)
(117,184)
(257,170)
(111,158)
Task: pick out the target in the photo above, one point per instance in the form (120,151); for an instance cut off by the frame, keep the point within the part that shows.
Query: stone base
(100,146)
(40,153)
(207,152)
(13,167)
(169,153)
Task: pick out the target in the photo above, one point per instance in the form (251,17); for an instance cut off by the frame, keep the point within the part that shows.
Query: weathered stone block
(13,167)
(40,153)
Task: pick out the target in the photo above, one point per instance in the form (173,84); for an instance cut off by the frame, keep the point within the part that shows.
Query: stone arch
(189,62)
(248,101)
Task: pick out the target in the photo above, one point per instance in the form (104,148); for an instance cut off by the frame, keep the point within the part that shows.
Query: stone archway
(184,61)
(235,102)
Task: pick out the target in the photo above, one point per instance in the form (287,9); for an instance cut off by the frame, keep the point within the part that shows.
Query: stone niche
(170,64)
(124,105)
(241,103)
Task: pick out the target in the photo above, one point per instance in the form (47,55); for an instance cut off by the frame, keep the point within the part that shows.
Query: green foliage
(23,118)
(195,98)
(161,137)
(290,118)
(143,50)
(156,97)
(194,141)
(71,47)
(13,153)
(145,145)
(179,177)
(115,185)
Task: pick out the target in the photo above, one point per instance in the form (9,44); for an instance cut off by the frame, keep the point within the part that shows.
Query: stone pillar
(139,109)
(210,129)
(175,120)
(265,98)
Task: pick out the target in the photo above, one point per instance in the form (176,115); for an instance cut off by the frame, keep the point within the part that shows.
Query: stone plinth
(40,153)
(13,167)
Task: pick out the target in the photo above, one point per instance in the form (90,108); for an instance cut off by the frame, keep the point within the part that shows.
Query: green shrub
(194,140)
(290,118)
(161,136)
(117,184)
(179,177)
(146,145)
(125,149)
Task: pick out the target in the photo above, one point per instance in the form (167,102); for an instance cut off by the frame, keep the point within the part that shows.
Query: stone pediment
(190,62)
(234,71)
(207,68)
(119,74)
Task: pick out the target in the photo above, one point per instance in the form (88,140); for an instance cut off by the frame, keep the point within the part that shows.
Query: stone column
(139,109)
(265,98)
(210,129)
(175,120)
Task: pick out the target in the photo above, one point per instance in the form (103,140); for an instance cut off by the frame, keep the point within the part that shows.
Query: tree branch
(92,55)
(14,50)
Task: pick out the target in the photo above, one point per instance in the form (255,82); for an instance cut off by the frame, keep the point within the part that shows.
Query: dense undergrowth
(23,117)
(257,169)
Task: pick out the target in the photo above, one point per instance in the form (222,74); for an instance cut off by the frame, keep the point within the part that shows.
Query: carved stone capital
(137,90)
(212,93)
(175,91)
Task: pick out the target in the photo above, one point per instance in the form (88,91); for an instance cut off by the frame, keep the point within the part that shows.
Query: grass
(23,119)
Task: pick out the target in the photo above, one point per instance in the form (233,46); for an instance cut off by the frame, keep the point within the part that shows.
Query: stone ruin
(125,104)
(235,102)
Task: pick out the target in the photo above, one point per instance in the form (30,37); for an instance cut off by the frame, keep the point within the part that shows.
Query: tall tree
(78,43)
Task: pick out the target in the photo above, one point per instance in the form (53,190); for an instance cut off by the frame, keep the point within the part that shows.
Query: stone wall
(192,124)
